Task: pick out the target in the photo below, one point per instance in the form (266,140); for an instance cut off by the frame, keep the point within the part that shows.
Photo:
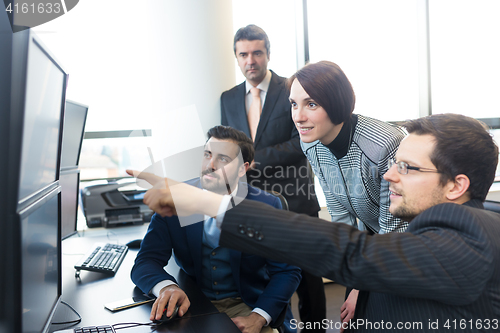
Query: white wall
(157,64)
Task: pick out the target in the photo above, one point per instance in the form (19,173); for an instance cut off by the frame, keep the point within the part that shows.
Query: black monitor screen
(45,93)
(70,185)
(40,246)
(75,116)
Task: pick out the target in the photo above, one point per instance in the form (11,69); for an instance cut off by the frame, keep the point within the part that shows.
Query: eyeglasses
(403,167)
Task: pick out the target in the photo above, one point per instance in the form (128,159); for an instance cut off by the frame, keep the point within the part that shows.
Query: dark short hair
(252,32)
(240,138)
(328,86)
(463,145)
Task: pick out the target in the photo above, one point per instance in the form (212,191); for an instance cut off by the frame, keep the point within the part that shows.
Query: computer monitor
(30,201)
(70,187)
(41,264)
(43,106)
(7,203)
(75,116)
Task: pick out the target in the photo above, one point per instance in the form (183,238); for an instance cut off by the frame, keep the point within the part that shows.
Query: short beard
(217,185)
(214,187)
(407,214)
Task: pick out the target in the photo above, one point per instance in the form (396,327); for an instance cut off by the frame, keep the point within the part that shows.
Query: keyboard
(103,258)
(90,329)
(95,329)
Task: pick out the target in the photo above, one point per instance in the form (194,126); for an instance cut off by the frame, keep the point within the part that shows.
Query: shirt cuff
(224,204)
(264,314)
(160,285)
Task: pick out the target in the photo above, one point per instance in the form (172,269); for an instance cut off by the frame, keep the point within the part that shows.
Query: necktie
(212,233)
(254,112)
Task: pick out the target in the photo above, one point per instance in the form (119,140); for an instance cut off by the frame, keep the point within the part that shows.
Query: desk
(88,294)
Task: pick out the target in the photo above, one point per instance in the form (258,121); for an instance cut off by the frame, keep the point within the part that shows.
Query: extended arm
(451,265)
(445,252)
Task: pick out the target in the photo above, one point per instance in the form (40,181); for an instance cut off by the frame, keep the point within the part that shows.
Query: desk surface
(88,294)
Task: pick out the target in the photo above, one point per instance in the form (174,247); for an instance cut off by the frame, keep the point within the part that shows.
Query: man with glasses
(441,275)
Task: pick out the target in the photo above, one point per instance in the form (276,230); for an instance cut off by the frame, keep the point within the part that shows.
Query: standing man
(251,290)
(260,108)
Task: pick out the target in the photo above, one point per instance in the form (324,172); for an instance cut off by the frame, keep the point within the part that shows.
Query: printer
(115,202)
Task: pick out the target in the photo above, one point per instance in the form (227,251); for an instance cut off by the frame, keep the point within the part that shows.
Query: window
(278,19)
(110,157)
(376,45)
(464,46)
(496,137)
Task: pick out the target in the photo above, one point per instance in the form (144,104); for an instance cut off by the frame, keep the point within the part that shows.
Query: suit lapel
(241,113)
(271,99)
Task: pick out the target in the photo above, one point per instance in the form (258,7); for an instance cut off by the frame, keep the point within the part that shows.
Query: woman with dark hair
(349,153)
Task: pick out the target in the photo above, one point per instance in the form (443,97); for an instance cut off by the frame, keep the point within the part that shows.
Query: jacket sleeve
(283,283)
(155,252)
(445,255)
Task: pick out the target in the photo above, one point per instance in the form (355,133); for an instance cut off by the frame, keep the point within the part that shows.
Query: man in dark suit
(260,108)
(442,274)
(250,289)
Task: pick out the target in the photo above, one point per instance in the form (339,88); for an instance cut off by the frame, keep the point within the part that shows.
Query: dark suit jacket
(261,283)
(281,164)
(445,268)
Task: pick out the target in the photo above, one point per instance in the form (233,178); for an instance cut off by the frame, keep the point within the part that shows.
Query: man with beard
(253,291)
(442,274)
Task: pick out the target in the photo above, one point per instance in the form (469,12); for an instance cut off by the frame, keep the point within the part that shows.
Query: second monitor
(75,116)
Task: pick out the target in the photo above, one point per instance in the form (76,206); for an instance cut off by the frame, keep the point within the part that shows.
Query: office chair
(493,206)
(284,202)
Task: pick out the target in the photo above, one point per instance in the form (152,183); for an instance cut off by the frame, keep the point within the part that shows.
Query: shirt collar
(233,194)
(340,145)
(264,85)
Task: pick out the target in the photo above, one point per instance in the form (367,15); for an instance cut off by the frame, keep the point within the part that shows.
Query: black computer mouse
(134,244)
(165,319)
